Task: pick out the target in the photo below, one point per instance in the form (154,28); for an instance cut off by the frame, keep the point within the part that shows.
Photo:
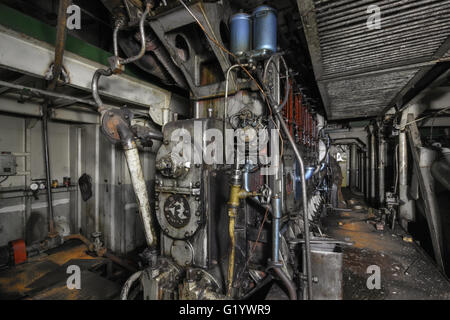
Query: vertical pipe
(367,172)
(406,208)
(361,172)
(373,163)
(305,202)
(51,225)
(382,168)
(276,214)
(57,68)
(353,166)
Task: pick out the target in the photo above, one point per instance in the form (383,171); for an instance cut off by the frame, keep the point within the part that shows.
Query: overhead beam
(26,55)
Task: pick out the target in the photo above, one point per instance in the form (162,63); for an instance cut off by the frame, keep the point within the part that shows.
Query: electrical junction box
(7,164)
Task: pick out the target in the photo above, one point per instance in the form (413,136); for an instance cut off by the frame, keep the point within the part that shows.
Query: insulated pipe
(406,208)
(140,189)
(305,201)
(57,68)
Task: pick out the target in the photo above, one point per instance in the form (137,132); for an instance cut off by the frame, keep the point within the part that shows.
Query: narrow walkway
(406,273)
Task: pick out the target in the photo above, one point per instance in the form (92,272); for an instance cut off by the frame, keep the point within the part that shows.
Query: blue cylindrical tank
(265,29)
(240,39)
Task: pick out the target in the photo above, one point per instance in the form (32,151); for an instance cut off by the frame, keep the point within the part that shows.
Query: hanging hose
(127,286)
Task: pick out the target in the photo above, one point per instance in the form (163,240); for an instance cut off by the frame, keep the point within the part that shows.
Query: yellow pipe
(236,194)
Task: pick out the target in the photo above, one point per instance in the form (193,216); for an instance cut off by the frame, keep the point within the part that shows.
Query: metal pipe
(373,163)
(406,208)
(140,189)
(276,216)
(305,201)
(381,169)
(292,291)
(46,93)
(236,195)
(51,224)
(127,286)
(367,174)
(142,35)
(260,285)
(353,167)
(60,42)
(119,24)
(94,85)
(225,108)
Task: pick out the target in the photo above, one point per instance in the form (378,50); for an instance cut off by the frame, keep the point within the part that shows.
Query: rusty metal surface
(354,64)
(45,276)
(406,273)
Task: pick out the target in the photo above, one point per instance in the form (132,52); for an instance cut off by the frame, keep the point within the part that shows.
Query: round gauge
(34,186)
(42,186)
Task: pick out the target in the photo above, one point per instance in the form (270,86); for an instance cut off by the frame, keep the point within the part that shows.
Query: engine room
(224,150)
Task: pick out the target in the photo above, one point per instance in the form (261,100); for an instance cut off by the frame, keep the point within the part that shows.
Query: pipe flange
(115,123)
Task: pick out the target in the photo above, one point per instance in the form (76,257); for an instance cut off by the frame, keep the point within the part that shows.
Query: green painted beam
(36,29)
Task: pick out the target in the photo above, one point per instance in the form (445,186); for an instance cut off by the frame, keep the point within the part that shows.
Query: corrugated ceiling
(361,71)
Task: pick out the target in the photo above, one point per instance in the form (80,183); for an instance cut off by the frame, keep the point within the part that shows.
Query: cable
(6,178)
(214,40)
(222,47)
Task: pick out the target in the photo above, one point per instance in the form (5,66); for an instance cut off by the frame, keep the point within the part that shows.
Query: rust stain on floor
(405,272)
